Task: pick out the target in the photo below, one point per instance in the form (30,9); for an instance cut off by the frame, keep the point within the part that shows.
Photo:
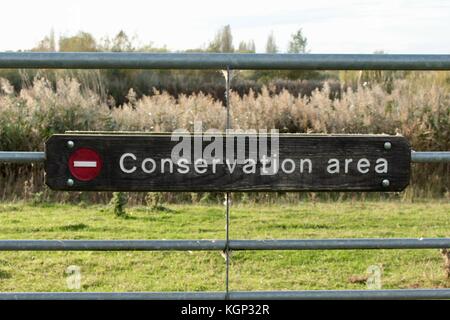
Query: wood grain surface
(319,149)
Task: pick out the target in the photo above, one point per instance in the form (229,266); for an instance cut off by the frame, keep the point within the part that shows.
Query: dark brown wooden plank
(318,149)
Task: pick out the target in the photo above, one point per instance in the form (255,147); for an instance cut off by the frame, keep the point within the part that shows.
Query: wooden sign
(239,162)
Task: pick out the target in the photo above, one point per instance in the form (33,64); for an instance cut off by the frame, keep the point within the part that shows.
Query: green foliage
(82,42)
(194,197)
(246,47)
(245,199)
(120,43)
(298,43)
(208,198)
(271,45)
(38,198)
(154,200)
(48,44)
(118,202)
(223,42)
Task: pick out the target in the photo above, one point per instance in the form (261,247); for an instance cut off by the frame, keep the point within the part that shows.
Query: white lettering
(122,167)
(200,166)
(302,164)
(292,165)
(250,166)
(214,164)
(169,161)
(381,166)
(363,165)
(183,163)
(144,167)
(231,168)
(333,166)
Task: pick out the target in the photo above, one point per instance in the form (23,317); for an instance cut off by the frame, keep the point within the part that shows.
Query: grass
(250,270)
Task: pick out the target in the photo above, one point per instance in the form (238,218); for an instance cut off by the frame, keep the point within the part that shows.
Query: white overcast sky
(339,26)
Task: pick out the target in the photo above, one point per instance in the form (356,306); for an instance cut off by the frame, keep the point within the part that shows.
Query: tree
(82,42)
(223,42)
(48,44)
(247,47)
(121,43)
(298,43)
(271,45)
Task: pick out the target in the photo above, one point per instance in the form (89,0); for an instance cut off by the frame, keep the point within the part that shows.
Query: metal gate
(227,62)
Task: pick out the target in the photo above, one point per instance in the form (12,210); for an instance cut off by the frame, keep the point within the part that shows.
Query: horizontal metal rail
(110,245)
(430,156)
(125,60)
(28,157)
(237,295)
(21,156)
(182,245)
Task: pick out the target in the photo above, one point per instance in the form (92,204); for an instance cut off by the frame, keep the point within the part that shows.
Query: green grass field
(250,270)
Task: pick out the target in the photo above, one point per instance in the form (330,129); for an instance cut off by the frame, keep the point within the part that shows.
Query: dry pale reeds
(417,107)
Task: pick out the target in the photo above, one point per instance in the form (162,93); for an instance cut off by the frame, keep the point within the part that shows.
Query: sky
(339,26)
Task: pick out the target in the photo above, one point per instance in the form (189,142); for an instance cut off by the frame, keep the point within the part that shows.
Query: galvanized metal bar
(400,294)
(430,156)
(110,245)
(112,296)
(21,157)
(341,244)
(31,156)
(125,60)
(181,245)
(227,75)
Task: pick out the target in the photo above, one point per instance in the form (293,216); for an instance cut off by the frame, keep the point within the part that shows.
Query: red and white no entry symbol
(85,164)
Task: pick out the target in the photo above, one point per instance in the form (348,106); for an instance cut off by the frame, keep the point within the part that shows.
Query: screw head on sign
(385,183)
(387,146)
(70,144)
(70,182)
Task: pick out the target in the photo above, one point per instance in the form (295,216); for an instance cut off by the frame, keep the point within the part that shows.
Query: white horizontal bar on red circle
(85,164)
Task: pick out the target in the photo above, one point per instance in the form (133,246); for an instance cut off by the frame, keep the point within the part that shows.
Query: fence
(226,62)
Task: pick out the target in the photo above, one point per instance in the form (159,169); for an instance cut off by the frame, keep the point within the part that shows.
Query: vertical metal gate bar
(227,196)
(227,247)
